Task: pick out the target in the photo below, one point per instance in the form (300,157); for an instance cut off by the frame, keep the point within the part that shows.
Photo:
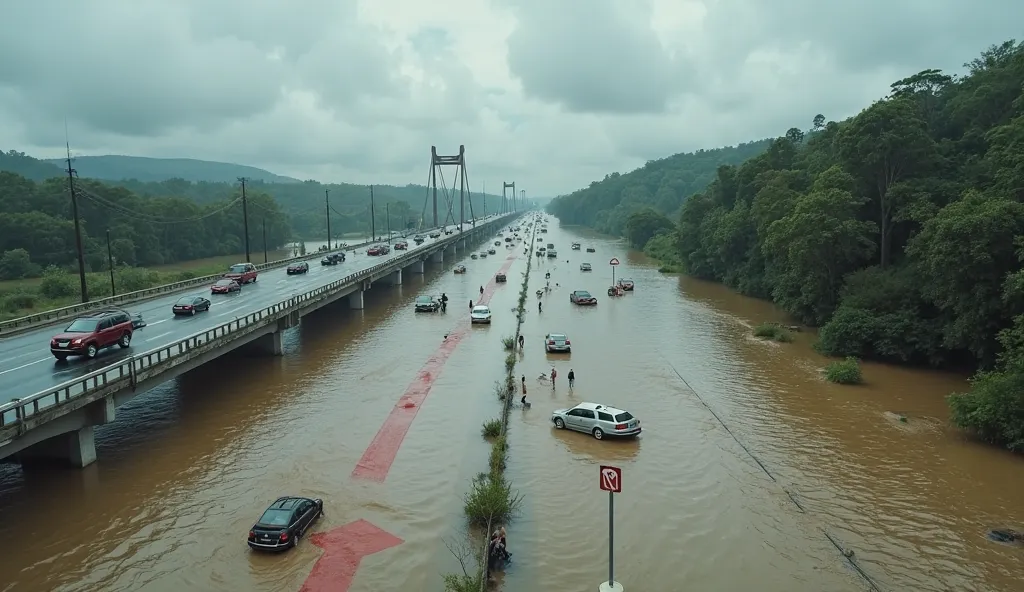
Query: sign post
(613,263)
(611,481)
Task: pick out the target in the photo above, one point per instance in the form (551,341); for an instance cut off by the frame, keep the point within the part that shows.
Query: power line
(146,217)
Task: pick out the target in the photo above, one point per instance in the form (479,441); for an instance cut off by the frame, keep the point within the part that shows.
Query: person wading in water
(572,377)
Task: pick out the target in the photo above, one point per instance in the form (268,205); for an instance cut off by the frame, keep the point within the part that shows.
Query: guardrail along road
(54,406)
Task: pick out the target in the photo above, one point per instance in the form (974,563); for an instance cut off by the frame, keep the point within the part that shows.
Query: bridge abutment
(355,300)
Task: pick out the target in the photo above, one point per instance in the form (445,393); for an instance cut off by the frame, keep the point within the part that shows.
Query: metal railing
(130,371)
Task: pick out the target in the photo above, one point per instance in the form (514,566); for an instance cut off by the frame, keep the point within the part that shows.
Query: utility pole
(78,227)
(484,193)
(387,212)
(245,219)
(264,240)
(110,266)
(373,223)
(327,201)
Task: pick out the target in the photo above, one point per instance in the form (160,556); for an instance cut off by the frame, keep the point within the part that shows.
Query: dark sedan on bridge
(284,522)
(297,268)
(190,305)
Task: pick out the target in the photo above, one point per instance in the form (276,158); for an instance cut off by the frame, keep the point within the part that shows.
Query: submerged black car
(284,522)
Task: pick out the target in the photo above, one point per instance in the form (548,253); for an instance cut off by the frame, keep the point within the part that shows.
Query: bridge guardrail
(10,326)
(128,369)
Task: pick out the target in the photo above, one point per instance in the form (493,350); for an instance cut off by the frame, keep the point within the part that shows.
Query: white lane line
(24,366)
(229,311)
(148,324)
(158,336)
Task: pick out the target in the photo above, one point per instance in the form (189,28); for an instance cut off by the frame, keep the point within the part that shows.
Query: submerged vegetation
(844,371)
(491,499)
(773,332)
(899,232)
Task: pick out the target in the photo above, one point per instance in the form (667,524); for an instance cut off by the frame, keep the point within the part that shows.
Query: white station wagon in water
(597,420)
(480,314)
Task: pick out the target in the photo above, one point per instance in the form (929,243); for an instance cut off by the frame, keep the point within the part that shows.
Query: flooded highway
(187,468)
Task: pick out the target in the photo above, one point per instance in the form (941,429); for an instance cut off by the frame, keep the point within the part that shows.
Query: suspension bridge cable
(845,552)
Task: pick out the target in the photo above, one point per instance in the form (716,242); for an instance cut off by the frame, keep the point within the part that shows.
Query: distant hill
(22,164)
(119,168)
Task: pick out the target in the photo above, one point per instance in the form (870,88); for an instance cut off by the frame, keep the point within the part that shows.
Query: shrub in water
(492,428)
(499,455)
(844,372)
(773,331)
(491,499)
(510,362)
(508,342)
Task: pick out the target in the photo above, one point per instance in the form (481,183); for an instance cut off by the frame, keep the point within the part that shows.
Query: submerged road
(27,367)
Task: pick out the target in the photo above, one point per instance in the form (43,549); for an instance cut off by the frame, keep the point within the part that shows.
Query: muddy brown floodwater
(186,468)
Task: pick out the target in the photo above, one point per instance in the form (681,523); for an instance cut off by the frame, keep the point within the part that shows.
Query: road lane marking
(158,336)
(24,366)
(376,461)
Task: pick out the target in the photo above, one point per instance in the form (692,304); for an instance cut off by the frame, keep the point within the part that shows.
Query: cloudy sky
(550,94)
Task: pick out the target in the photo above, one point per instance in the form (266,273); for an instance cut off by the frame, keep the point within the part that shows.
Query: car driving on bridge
(86,336)
(401,246)
(284,522)
(225,287)
(243,273)
(333,259)
(297,268)
(190,305)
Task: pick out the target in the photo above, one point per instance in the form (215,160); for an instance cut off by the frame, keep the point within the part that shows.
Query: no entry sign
(611,479)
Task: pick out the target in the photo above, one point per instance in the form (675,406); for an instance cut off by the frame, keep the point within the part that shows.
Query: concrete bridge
(57,423)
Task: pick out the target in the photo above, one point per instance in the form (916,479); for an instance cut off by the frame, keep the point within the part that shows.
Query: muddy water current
(758,498)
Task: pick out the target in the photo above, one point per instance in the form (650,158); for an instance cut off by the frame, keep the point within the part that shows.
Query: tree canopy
(900,231)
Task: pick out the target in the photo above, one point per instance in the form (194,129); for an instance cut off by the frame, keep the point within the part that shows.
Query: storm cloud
(549,94)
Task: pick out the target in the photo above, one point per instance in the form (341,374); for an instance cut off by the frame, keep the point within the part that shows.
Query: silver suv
(597,420)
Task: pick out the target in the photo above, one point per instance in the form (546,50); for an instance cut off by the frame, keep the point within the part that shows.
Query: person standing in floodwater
(522,342)
(540,306)
(470,306)
(572,377)
(554,375)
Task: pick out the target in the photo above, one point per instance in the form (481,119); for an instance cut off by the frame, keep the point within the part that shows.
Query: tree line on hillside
(661,185)
(37,227)
(899,232)
(303,203)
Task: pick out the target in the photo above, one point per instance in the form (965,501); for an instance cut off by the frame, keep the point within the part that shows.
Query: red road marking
(344,548)
(380,454)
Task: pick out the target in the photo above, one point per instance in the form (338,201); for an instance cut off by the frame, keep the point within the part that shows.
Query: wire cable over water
(847,554)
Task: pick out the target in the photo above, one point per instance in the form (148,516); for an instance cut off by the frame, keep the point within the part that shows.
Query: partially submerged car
(284,522)
(586,267)
(480,314)
(501,278)
(582,297)
(427,304)
(626,284)
(597,420)
(460,269)
(557,342)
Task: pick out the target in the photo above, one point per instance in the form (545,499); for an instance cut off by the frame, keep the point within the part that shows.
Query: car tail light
(284,536)
(567,342)
(252,535)
(187,307)
(551,342)
(620,426)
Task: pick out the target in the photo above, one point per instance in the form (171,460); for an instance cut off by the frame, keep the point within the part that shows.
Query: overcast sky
(549,94)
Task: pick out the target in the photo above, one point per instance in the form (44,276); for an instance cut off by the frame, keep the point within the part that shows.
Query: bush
(133,279)
(844,371)
(773,331)
(993,410)
(463,582)
(57,284)
(510,362)
(499,455)
(508,342)
(16,264)
(492,428)
(16,301)
(492,499)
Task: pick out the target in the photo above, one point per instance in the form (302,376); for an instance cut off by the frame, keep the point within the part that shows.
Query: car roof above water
(599,407)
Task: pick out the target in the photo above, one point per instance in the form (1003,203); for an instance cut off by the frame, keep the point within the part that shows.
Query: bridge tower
(507,205)
(437,163)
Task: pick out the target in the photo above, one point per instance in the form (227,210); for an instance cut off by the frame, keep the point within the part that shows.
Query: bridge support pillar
(461,244)
(271,344)
(355,300)
(437,256)
(393,279)
(76,448)
(417,267)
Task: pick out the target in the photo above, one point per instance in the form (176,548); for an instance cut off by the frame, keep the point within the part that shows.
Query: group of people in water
(544,378)
(497,551)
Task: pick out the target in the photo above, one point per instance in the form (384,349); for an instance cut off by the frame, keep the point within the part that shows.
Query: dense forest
(899,232)
(662,185)
(115,168)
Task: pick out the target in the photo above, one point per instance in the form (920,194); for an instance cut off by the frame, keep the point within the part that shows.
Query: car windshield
(481,310)
(185,300)
(424,300)
(276,517)
(556,337)
(81,326)
(583,294)
(237,268)
(624,416)
(224,283)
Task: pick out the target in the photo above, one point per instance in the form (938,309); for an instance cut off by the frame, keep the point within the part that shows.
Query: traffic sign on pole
(614,261)
(611,479)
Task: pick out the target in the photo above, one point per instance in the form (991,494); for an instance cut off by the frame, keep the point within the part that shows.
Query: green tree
(17,264)
(642,225)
